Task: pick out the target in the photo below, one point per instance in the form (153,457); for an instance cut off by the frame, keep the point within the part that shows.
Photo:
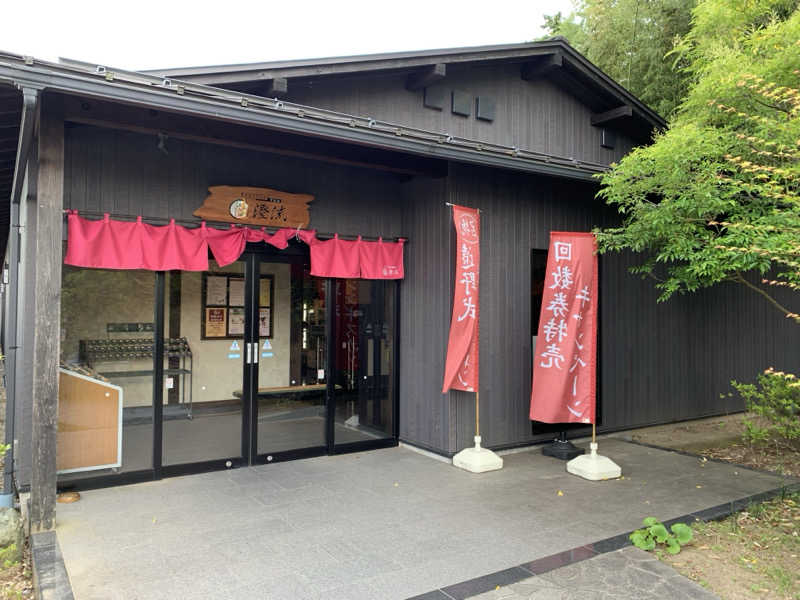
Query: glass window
(365,343)
(292,362)
(105,416)
(203,354)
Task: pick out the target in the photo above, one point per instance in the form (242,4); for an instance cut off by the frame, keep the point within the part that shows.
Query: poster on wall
(236,294)
(216,290)
(215,322)
(265,292)
(263,323)
(236,321)
(226,291)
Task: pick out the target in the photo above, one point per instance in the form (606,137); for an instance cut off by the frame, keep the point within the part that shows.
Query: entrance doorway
(250,363)
(302,366)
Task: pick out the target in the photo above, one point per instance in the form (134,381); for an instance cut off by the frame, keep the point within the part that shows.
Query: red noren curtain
(108,244)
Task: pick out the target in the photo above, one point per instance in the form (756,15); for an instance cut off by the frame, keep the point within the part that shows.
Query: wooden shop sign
(255,206)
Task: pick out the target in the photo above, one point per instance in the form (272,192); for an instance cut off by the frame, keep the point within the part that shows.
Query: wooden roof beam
(604,118)
(426,77)
(542,66)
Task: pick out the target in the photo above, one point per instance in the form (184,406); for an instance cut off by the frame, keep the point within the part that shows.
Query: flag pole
(477,413)
(477,392)
(477,459)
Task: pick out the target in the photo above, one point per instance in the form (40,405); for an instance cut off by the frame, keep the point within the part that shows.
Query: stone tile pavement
(387,524)
(625,574)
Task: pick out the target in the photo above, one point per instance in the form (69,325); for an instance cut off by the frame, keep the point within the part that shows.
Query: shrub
(776,398)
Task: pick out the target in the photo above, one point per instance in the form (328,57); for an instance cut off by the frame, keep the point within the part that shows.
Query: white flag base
(477,459)
(593,466)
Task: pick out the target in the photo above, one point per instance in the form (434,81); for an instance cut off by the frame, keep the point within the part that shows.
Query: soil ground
(721,438)
(752,554)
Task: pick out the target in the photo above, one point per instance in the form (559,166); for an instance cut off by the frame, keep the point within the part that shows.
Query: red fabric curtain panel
(227,245)
(336,258)
(172,247)
(107,244)
(381,260)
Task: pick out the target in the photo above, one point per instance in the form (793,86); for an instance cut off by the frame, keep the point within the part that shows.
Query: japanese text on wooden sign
(255,206)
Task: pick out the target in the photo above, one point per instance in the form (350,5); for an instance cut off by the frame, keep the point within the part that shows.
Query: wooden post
(47,313)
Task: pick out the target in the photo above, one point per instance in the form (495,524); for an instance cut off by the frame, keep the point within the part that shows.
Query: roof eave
(228,74)
(329,125)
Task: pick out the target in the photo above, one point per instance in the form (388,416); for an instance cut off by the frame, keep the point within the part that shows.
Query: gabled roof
(165,93)
(554,59)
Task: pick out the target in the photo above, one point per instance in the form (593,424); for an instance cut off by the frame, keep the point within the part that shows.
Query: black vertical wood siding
(534,115)
(425,314)
(658,362)
(126,174)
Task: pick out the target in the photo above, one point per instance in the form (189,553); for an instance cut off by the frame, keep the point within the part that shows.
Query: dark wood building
(382,142)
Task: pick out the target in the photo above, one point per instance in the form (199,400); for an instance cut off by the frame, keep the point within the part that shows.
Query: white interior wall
(93,298)
(216,376)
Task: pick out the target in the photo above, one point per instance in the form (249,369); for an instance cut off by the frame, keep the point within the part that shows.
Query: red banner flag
(564,365)
(461,367)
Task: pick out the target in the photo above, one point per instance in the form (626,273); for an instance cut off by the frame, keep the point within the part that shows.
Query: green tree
(632,41)
(716,195)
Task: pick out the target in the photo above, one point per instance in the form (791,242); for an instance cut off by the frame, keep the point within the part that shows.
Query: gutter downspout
(30,99)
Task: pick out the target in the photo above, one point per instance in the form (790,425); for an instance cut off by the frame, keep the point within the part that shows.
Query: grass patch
(752,554)
(16,577)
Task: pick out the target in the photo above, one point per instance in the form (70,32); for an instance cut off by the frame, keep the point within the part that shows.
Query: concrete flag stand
(477,459)
(593,466)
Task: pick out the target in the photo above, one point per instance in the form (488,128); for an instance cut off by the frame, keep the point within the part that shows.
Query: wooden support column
(47,313)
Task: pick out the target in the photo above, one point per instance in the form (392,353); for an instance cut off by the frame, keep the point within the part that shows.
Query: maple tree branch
(755,288)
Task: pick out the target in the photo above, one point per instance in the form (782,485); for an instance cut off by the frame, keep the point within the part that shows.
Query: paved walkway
(627,573)
(387,524)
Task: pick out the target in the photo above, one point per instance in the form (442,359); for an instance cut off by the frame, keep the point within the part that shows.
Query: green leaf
(645,543)
(638,537)
(682,532)
(673,547)
(659,532)
(641,539)
(650,521)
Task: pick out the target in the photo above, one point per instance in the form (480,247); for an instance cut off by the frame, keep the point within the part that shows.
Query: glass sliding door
(257,361)
(290,387)
(204,358)
(105,412)
(364,339)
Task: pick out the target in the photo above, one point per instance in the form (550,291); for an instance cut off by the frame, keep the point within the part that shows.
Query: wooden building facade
(382,143)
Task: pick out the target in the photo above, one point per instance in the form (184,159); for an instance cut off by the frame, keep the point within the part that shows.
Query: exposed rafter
(542,66)
(604,118)
(426,77)
(276,88)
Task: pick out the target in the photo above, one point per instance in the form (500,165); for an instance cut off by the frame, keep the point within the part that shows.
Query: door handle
(255,353)
(249,353)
